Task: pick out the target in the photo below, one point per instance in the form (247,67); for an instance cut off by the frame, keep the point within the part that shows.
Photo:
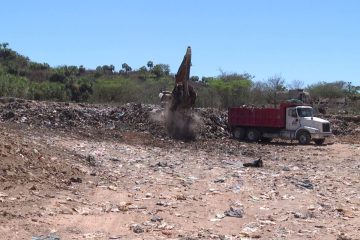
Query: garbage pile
(344,125)
(210,123)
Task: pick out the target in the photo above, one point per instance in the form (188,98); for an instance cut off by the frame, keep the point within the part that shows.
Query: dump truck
(293,121)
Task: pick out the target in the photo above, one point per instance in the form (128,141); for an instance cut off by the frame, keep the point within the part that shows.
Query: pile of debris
(344,125)
(210,123)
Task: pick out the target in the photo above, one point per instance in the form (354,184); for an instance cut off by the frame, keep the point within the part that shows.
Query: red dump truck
(292,121)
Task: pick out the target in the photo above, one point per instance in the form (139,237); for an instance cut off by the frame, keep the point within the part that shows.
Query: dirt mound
(29,172)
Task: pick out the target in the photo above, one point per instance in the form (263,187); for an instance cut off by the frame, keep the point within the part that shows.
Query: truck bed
(256,117)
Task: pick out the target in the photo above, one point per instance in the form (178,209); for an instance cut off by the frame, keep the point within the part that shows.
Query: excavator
(179,121)
(183,96)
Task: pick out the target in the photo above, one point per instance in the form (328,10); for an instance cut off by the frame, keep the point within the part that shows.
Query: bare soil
(93,182)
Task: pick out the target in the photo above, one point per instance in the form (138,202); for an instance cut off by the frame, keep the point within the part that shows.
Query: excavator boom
(183,94)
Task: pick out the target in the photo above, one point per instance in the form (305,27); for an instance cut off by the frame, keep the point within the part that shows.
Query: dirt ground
(124,184)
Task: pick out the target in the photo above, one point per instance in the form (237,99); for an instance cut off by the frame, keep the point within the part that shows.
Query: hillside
(20,77)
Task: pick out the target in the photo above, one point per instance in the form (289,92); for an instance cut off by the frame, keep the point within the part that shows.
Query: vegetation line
(20,77)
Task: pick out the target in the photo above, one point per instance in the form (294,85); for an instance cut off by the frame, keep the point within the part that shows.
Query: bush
(48,91)
(12,86)
(125,89)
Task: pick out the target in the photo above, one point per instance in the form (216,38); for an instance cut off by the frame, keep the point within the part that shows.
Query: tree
(232,89)
(275,85)
(81,69)
(328,90)
(126,67)
(194,78)
(258,93)
(112,68)
(296,84)
(150,64)
(107,69)
(143,69)
(161,70)
(4,45)
(143,73)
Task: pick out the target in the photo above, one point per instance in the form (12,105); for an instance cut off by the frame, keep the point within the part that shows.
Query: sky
(305,40)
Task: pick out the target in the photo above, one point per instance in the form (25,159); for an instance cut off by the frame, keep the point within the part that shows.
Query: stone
(256,163)
(137,228)
(234,212)
(156,218)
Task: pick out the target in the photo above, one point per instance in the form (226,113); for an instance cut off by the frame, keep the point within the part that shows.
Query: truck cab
(301,122)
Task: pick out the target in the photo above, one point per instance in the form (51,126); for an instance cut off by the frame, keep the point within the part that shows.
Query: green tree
(150,64)
(82,69)
(126,67)
(232,89)
(161,70)
(4,45)
(194,78)
(328,90)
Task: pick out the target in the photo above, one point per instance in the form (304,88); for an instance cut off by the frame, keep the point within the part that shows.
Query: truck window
(305,112)
(292,113)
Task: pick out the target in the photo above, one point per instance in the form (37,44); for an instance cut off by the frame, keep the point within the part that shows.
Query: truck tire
(253,135)
(304,137)
(319,141)
(239,133)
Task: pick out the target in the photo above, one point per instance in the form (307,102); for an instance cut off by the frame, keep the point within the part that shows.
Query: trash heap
(344,124)
(210,123)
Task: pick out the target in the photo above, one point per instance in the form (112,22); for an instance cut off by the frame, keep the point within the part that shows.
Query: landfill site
(90,171)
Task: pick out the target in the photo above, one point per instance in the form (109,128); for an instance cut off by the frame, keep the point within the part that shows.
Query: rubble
(211,123)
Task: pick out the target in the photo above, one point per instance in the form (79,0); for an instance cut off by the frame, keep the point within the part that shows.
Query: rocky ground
(79,171)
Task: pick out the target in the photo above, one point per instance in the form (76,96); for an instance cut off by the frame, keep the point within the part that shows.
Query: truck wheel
(304,138)
(319,141)
(253,135)
(239,133)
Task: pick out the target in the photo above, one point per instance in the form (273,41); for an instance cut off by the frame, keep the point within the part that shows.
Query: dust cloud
(180,125)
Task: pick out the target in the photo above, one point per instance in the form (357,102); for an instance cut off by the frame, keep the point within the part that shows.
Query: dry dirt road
(58,184)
